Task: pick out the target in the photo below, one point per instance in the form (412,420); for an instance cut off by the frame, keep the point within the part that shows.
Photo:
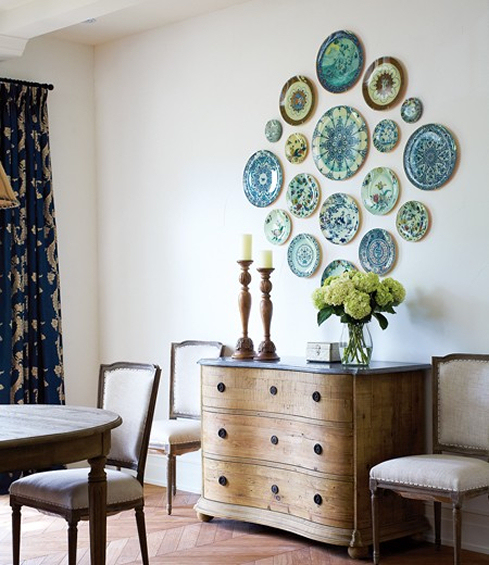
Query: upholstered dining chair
(130,390)
(180,432)
(458,468)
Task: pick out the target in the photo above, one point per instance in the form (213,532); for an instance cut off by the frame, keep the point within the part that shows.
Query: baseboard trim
(189,472)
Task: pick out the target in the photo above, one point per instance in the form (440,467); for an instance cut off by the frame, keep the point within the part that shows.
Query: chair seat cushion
(68,488)
(437,471)
(166,432)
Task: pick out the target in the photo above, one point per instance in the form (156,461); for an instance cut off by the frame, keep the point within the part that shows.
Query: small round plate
(385,136)
(303,195)
(383,83)
(412,221)
(297,100)
(339,61)
(337,267)
(273,130)
(377,251)
(430,156)
(303,255)
(296,148)
(277,227)
(380,190)
(339,218)
(411,110)
(262,178)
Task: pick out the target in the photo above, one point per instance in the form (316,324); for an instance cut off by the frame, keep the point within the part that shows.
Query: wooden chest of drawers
(290,445)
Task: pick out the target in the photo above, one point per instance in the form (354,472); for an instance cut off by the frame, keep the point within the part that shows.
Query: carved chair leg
(375,525)
(437,515)
(16,518)
(169,482)
(457,533)
(72,541)
(143,542)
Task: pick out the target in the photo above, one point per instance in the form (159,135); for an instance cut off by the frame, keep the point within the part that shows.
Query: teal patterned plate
(377,251)
(303,255)
(303,195)
(262,178)
(412,221)
(337,267)
(385,136)
(296,148)
(339,218)
(277,227)
(380,190)
(273,130)
(411,110)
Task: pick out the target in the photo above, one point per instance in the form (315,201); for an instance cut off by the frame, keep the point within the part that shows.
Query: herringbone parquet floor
(181,539)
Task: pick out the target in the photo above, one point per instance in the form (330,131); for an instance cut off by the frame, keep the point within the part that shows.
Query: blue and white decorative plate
(377,251)
(296,148)
(383,83)
(339,218)
(273,130)
(385,136)
(380,190)
(340,142)
(337,267)
(297,100)
(430,156)
(303,255)
(277,227)
(303,195)
(412,221)
(411,110)
(339,61)
(262,178)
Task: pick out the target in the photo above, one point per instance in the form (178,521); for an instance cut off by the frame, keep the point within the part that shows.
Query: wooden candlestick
(244,346)
(266,349)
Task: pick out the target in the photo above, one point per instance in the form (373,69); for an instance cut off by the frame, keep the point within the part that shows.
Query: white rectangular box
(323,351)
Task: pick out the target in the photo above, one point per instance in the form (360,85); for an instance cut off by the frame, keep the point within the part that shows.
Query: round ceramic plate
(303,195)
(380,190)
(377,251)
(337,267)
(273,130)
(383,83)
(411,110)
(297,100)
(339,218)
(303,255)
(340,61)
(385,136)
(277,227)
(430,156)
(340,142)
(412,221)
(296,148)
(262,178)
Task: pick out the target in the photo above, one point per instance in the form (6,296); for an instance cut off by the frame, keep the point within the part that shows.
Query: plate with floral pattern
(412,221)
(297,100)
(303,195)
(383,83)
(339,62)
(380,190)
(303,255)
(262,178)
(277,227)
(385,136)
(377,251)
(296,148)
(411,110)
(340,142)
(430,156)
(339,218)
(273,130)
(337,267)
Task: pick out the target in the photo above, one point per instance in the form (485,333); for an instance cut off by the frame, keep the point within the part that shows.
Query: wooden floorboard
(181,539)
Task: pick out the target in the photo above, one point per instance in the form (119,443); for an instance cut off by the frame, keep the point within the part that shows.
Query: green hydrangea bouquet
(357,297)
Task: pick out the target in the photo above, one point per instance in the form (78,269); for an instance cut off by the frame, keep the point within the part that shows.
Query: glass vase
(356,344)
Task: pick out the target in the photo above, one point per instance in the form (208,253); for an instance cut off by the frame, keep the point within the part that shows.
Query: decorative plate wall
(412,221)
(383,83)
(277,227)
(339,61)
(303,255)
(262,178)
(296,148)
(339,218)
(337,267)
(303,195)
(297,100)
(385,136)
(377,251)
(340,142)
(380,190)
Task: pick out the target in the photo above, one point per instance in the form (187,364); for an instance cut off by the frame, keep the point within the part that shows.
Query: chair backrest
(185,375)
(130,390)
(461,404)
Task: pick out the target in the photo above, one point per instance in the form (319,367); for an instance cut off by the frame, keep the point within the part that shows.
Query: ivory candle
(246,247)
(266,260)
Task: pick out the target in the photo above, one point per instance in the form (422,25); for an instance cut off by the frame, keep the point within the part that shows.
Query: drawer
(322,501)
(326,449)
(321,397)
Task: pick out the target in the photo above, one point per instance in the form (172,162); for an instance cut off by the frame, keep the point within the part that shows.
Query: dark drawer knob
(274,489)
(273,390)
(318,499)
(221,387)
(274,440)
(316,396)
(223,481)
(318,449)
(222,433)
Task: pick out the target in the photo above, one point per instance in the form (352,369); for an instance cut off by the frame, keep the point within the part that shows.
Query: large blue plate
(262,178)
(377,251)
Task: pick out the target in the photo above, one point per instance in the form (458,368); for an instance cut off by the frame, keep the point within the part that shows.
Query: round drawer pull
(318,499)
(221,387)
(274,489)
(274,440)
(222,433)
(318,449)
(223,481)
(316,396)
(273,390)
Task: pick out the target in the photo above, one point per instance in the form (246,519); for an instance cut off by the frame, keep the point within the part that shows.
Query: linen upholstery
(165,432)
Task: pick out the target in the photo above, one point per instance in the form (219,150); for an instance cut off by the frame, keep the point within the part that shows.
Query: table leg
(97,500)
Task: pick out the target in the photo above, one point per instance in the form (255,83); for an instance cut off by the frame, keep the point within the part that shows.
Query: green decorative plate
(380,190)
(297,100)
(383,83)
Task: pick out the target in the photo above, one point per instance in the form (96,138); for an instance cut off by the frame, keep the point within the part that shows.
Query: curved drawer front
(321,397)
(326,449)
(327,502)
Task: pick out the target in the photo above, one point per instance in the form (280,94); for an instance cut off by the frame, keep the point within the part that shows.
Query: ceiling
(92,21)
